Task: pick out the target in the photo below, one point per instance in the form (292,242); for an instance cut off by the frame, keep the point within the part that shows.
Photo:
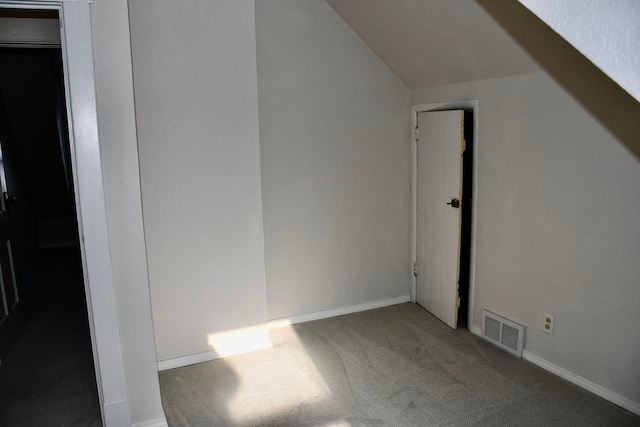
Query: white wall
(31,30)
(335,151)
(118,144)
(197,115)
(604,31)
(557,224)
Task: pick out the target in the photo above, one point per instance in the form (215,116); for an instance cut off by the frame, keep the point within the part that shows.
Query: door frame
(440,106)
(80,95)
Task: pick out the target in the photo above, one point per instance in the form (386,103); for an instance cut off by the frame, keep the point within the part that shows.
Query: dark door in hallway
(12,317)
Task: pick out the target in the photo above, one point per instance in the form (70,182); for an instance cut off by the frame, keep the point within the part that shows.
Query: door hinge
(416,134)
(415,269)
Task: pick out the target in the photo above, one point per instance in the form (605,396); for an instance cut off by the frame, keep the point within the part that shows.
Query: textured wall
(334,136)
(606,32)
(197,114)
(557,227)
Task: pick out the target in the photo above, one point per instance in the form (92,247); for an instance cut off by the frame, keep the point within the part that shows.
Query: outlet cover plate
(547,323)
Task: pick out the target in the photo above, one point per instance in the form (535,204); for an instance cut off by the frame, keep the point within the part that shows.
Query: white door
(440,148)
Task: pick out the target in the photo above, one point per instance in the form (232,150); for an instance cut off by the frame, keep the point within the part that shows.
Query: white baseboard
(158,422)
(116,413)
(225,344)
(192,359)
(576,379)
(257,338)
(583,382)
(286,321)
(475,330)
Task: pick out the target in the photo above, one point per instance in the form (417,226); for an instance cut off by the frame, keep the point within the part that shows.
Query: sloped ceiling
(605,32)
(435,42)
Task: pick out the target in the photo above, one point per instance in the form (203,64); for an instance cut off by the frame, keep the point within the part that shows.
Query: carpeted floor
(395,366)
(48,378)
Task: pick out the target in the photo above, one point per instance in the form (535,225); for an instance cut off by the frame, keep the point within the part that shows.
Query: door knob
(455,203)
(9,198)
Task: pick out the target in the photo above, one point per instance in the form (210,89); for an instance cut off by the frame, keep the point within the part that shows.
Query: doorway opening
(444,171)
(466,221)
(47,372)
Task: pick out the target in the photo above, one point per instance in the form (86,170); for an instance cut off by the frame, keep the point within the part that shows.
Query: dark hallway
(48,379)
(47,375)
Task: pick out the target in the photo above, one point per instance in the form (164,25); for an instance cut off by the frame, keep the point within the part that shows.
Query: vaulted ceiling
(435,42)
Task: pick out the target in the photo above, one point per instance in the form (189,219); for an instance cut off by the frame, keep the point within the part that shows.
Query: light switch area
(547,325)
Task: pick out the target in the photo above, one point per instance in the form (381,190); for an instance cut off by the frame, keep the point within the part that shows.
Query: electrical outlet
(547,323)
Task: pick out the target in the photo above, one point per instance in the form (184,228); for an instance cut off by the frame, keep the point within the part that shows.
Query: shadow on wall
(607,102)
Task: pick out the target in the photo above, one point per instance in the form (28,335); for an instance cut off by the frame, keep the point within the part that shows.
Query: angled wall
(604,31)
(557,227)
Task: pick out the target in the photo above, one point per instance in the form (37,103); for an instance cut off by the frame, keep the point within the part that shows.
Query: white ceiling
(435,42)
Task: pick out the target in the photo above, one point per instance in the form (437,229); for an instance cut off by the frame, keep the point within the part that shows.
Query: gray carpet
(396,366)
(48,379)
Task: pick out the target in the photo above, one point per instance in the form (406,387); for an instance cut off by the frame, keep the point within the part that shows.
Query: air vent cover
(503,332)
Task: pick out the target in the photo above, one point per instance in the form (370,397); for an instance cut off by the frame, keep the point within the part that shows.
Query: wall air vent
(502,332)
